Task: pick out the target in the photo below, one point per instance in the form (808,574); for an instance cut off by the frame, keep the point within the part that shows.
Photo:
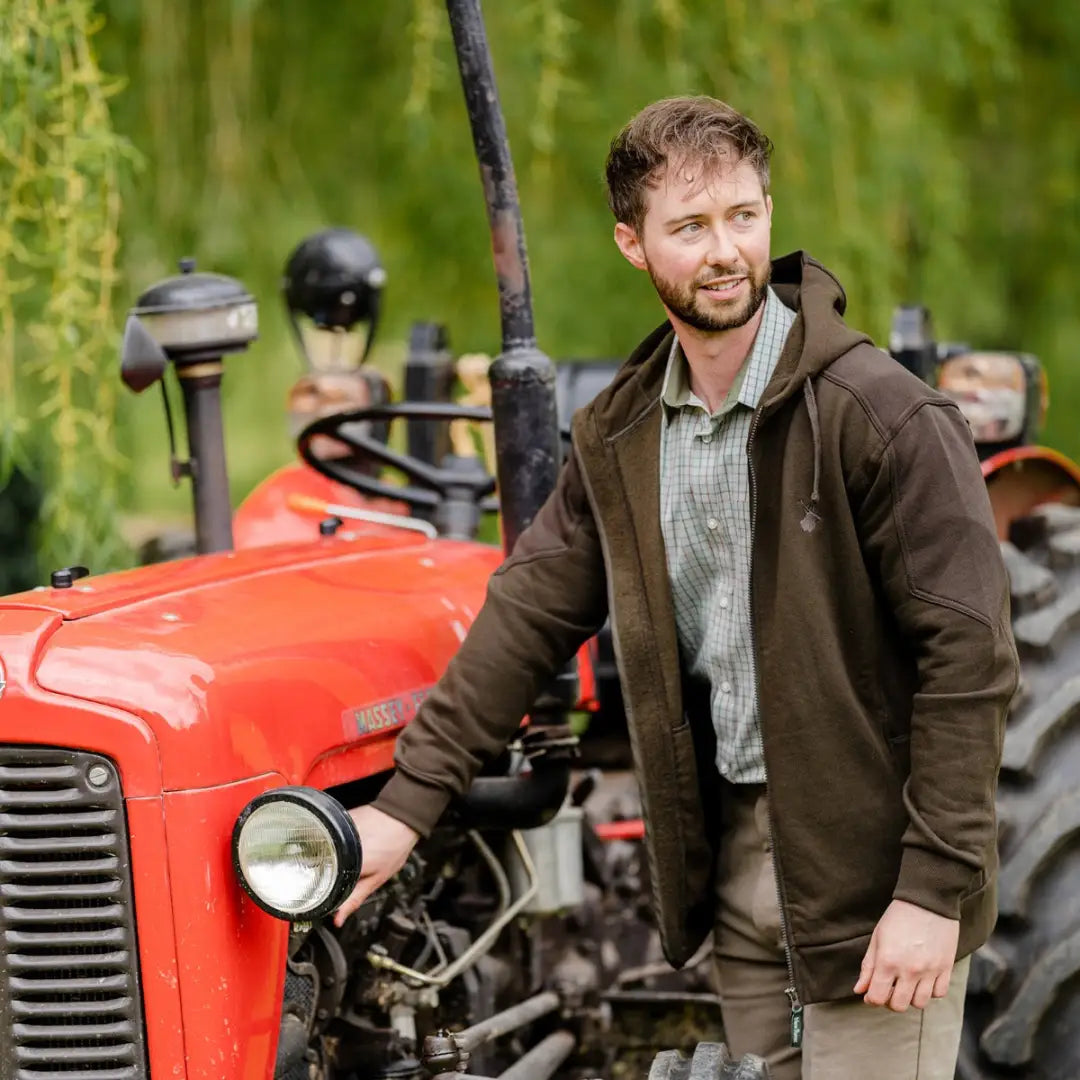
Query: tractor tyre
(1023,1007)
(710,1061)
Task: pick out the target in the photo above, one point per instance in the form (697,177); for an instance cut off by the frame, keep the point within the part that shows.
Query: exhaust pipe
(522,377)
(523,405)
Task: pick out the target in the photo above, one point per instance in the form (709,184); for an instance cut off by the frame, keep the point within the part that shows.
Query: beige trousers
(846,1040)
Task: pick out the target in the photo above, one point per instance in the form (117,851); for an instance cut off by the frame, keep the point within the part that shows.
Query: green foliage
(59,166)
(925,151)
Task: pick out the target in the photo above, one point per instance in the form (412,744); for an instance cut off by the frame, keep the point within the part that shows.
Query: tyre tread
(1009,1040)
(1027,971)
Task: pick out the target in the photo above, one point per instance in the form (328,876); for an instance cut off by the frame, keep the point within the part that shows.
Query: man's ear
(628,243)
(768,206)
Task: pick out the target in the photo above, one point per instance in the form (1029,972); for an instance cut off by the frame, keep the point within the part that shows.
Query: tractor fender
(288,505)
(1024,477)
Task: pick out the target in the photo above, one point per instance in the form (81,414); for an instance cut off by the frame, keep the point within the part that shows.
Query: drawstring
(812,517)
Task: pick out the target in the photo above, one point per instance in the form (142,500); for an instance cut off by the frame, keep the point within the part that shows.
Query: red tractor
(179,742)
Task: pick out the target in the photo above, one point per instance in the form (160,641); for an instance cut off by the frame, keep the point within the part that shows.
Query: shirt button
(712,523)
(725,687)
(723,601)
(706,438)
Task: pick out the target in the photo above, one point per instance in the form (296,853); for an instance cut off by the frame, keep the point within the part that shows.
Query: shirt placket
(706,521)
(721,615)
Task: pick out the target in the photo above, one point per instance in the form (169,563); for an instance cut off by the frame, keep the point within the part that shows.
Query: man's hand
(910,958)
(386,843)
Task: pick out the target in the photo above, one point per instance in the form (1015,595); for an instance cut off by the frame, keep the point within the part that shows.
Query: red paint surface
(587,698)
(1031,453)
(631,829)
(230,954)
(244,664)
(30,714)
(158,965)
(265,516)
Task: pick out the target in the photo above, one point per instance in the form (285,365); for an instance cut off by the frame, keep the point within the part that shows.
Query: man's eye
(691,227)
(744,217)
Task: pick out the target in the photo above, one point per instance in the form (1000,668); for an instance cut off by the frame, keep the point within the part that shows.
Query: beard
(686,302)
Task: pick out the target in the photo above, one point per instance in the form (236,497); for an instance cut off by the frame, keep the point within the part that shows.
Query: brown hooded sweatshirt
(884,653)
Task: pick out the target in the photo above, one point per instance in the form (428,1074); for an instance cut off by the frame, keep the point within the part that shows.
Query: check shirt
(705,520)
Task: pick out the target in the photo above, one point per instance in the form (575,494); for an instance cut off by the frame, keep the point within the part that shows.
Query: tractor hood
(299,659)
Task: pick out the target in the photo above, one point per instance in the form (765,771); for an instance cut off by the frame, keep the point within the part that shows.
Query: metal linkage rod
(494,1027)
(543,1059)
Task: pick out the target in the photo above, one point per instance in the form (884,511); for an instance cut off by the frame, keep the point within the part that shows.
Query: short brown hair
(678,131)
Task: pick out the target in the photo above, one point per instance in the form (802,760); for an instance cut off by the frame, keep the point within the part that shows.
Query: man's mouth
(722,287)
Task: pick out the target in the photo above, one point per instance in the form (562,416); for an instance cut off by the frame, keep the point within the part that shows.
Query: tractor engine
(351,1005)
(546,930)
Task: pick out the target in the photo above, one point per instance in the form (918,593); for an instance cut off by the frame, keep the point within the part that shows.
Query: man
(793,540)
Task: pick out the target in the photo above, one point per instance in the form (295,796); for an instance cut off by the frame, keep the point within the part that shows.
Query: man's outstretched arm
(543,603)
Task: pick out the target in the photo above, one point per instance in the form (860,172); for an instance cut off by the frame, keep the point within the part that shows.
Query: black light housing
(334,279)
(310,809)
(198,316)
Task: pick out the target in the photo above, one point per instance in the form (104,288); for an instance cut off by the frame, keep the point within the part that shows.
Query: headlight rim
(343,835)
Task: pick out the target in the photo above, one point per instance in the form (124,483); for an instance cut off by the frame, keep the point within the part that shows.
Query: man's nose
(722,250)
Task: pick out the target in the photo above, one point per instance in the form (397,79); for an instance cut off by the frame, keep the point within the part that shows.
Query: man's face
(705,246)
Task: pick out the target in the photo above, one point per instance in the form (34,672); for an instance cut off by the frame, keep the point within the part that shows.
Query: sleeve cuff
(412,802)
(934,882)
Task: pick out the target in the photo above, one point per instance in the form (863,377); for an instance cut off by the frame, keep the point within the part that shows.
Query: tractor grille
(69,986)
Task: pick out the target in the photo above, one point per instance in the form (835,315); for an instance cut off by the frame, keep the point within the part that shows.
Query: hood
(818,337)
(302,660)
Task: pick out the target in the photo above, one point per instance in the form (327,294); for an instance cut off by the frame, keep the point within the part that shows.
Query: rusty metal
(448,1052)
(441,1054)
(496,172)
(522,377)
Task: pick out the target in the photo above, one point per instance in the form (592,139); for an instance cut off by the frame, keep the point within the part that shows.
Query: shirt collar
(675,392)
(768,345)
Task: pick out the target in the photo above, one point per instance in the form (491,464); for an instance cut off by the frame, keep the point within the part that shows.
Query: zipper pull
(796,1016)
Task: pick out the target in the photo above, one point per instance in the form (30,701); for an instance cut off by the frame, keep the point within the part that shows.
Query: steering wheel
(428,485)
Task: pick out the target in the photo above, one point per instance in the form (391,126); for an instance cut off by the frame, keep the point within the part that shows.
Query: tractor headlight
(296,852)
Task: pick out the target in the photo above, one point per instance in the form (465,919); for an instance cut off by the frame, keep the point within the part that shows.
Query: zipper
(791,990)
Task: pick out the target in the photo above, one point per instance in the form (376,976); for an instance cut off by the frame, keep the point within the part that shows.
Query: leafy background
(926,152)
